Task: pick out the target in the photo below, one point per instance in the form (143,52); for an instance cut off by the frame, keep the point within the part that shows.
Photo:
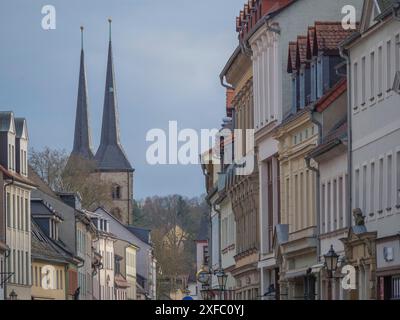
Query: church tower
(82,136)
(112,162)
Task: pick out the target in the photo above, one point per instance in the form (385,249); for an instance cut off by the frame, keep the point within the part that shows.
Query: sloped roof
(5,120)
(111,156)
(44,248)
(310,41)
(328,35)
(142,234)
(42,208)
(335,92)
(16,176)
(41,185)
(20,127)
(82,136)
(301,51)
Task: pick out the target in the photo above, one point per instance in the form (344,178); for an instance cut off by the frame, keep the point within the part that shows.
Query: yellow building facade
(48,281)
(297,136)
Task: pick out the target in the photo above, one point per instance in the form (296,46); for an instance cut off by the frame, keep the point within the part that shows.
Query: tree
(175,222)
(71,174)
(49,165)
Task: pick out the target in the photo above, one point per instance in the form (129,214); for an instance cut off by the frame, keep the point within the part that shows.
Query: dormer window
(313,90)
(103,225)
(377,8)
(295,92)
(53,229)
(320,90)
(116,192)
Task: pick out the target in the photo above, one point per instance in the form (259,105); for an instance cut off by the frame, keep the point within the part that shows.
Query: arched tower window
(116,192)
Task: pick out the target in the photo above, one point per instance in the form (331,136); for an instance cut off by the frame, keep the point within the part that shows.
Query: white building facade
(272,103)
(375,123)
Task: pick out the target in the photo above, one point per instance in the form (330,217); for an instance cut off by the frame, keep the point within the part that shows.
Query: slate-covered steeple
(110,156)
(82,138)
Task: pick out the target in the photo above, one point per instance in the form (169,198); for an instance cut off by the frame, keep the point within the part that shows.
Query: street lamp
(331,261)
(13,295)
(222,279)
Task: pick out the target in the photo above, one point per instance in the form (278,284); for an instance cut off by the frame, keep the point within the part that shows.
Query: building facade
(374,65)
(242,185)
(17,192)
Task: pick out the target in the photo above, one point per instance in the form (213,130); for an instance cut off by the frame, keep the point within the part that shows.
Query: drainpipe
(8,252)
(218,211)
(345,56)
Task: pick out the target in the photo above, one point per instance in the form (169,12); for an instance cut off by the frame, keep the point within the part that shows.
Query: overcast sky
(168,55)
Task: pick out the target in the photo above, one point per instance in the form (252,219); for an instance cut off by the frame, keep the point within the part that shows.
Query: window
(372,75)
(8,209)
(313,82)
(294,94)
(355,87)
(396,288)
(397,52)
(18,214)
(302,89)
(398,178)
(205,255)
(13,157)
(380,71)
(320,91)
(323,208)
(364,208)
(357,188)
(28,270)
(363,80)
(116,192)
(14,212)
(389,182)
(329,206)
(27,216)
(341,196)
(389,80)
(372,189)
(380,186)
(335,204)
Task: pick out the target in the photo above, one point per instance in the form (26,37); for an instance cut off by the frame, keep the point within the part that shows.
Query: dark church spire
(110,156)
(82,137)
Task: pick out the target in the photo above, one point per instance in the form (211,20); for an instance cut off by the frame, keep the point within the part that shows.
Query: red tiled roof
(328,36)
(335,92)
(292,57)
(310,42)
(255,10)
(16,176)
(301,51)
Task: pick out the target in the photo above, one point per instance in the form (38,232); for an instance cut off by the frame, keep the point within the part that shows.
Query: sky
(167,54)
